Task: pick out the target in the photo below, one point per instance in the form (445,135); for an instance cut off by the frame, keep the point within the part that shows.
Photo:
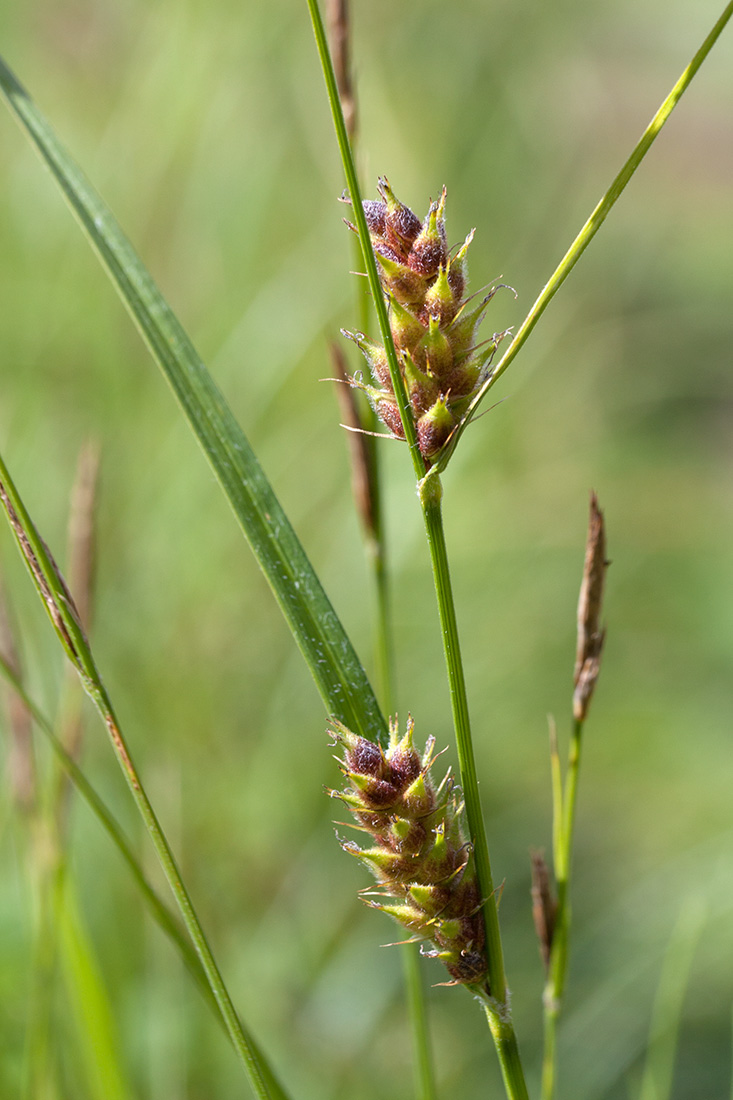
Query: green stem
(261,1079)
(383,632)
(591,227)
(549,1058)
(497,1007)
(347,159)
(557,972)
(424,1073)
(159,910)
(59,606)
(505,1041)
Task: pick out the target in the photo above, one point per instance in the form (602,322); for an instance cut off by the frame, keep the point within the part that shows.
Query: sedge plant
(430,371)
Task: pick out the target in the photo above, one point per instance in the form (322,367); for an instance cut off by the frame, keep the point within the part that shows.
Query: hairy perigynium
(434,326)
(420,856)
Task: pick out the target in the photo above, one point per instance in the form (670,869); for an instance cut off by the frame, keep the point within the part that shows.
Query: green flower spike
(433,325)
(419,854)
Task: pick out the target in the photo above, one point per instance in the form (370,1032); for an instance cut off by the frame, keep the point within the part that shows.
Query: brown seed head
(591,635)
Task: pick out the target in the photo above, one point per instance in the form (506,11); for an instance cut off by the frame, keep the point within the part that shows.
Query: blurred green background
(205,126)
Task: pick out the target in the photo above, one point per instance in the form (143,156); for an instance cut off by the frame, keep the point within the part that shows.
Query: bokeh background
(206,128)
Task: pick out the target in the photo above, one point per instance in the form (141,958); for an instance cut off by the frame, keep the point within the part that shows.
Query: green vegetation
(206,129)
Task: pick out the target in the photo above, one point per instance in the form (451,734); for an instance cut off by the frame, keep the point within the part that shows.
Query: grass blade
(60,607)
(157,907)
(91,1010)
(326,647)
(669,1003)
(591,227)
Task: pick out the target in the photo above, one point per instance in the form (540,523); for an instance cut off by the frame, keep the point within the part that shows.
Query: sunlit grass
(208,133)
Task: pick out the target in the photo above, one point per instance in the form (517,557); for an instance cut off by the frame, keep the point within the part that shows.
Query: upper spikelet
(419,854)
(434,327)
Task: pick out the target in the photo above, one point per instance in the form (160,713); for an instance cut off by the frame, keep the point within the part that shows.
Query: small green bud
(422,390)
(438,863)
(429,252)
(435,350)
(405,836)
(401,754)
(431,899)
(406,285)
(440,301)
(406,914)
(376,794)
(407,331)
(419,797)
(353,801)
(434,428)
(389,868)
(386,866)
(403,226)
(448,929)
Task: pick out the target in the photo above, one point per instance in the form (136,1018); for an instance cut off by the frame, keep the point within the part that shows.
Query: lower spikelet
(419,854)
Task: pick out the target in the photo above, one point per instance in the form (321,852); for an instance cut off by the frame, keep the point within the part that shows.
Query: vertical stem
(558,968)
(496,1007)
(424,1071)
(337,71)
(549,1059)
(430,497)
(505,1040)
(347,160)
(383,631)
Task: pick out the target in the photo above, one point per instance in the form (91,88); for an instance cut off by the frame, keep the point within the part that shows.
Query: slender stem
(376,542)
(505,1041)
(557,972)
(64,617)
(591,227)
(260,1076)
(347,159)
(383,632)
(670,1002)
(496,1006)
(423,1072)
(160,911)
(430,497)
(549,1057)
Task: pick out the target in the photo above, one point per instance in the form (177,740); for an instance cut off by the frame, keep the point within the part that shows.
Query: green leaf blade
(333,663)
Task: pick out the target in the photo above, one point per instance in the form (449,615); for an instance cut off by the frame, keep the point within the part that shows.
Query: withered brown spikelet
(434,326)
(544,905)
(591,634)
(419,855)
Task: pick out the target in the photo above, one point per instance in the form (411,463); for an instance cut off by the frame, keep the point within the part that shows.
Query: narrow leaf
(158,909)
(592,225)
(325,645)
(90,1006)
(57,600)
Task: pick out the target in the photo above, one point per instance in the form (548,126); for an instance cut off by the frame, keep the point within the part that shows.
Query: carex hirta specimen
(434,325)
(418,853)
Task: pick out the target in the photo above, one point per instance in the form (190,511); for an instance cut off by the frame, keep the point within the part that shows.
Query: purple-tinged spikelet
(433,325)
(419,853)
